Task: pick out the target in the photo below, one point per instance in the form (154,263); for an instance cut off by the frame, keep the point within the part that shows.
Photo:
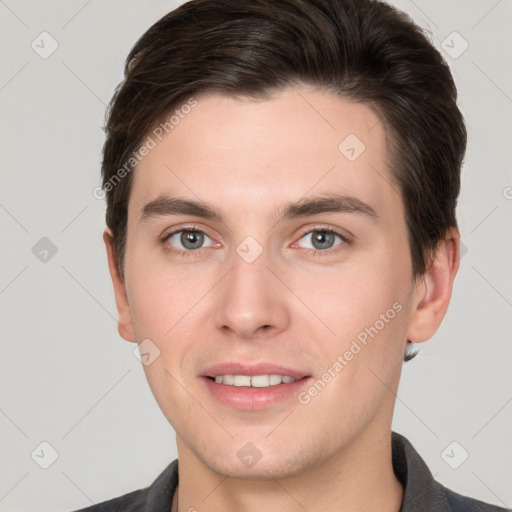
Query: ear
(434,289)
(124,324)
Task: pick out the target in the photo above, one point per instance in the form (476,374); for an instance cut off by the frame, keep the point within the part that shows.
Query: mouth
(254,381)
(253,387)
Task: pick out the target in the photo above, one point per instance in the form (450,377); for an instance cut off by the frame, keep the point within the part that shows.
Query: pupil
(322,237)
(192,238)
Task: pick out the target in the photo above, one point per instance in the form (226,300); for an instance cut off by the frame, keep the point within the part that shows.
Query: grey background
(68,379)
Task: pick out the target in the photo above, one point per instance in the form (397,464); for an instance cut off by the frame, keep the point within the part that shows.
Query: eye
(186,240)
(322,239)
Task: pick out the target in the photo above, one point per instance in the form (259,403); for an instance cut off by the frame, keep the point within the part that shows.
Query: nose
(253,301)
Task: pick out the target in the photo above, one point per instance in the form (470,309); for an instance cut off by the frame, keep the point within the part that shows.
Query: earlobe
(434,290)
(124,324)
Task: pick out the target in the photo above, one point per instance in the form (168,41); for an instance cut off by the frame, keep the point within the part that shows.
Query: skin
(249,158)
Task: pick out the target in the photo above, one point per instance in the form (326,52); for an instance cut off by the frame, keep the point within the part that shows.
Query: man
(281,182)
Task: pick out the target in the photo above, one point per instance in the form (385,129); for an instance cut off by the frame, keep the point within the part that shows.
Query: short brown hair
(362,50)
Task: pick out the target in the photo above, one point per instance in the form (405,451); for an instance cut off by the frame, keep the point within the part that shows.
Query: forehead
(249,157)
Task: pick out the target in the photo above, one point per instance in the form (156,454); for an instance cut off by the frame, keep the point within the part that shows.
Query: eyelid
(344,234)
(346,239)
(189,227)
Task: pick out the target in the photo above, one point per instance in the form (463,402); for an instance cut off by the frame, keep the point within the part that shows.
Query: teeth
(260,381)
(256,381)
(275,379)
(230,379)
(242,380)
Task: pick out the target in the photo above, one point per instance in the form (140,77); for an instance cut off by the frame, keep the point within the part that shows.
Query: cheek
(365,305)
(150,307)
(366,308)
(159,293)
(161,306)
(168,307)
(353,297)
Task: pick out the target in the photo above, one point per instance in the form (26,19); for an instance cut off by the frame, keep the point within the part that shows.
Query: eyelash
(313,252)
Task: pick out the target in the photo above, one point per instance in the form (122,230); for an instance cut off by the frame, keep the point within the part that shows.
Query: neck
(360,477)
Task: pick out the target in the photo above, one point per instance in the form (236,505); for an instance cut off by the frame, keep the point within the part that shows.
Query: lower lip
(254,399)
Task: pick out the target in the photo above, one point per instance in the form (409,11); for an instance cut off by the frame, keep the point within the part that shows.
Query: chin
(260,471)
(249,463)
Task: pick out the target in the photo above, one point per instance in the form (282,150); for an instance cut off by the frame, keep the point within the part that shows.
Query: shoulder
(134,501)
(157,497)
(459,503)
(422,491)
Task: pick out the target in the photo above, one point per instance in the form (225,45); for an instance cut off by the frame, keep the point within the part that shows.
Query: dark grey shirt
(421,492)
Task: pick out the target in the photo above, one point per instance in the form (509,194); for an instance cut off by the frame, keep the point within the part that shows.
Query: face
(305,272)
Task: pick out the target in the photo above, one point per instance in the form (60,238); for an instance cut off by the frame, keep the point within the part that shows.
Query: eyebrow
(166,205)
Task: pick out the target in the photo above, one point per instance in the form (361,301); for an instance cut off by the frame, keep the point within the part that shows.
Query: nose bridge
(249,265)
(250,297)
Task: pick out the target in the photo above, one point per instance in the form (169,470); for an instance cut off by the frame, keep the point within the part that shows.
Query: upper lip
(233,368)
